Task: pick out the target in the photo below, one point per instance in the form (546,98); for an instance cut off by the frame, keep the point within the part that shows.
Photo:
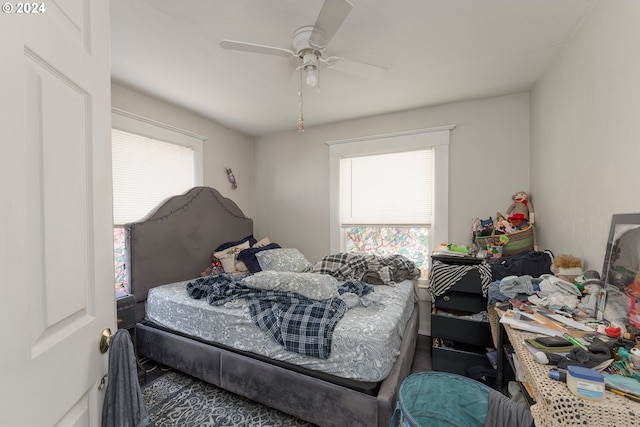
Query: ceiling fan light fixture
(310,66)
(312,76)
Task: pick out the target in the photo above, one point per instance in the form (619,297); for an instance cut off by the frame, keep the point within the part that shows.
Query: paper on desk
(562,324)
(570,322)
(529,326)
(519,314)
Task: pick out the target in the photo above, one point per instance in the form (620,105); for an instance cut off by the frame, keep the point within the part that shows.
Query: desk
(555,404)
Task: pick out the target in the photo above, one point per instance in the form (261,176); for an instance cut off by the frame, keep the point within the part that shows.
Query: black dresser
(459,340)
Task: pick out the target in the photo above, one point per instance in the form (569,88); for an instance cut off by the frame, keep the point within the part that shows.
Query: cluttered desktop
(575,344)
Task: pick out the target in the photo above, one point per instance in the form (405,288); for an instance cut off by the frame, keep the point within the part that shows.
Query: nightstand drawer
(456,361)
(470,283)
(471,303)
(469,331)
(126,313)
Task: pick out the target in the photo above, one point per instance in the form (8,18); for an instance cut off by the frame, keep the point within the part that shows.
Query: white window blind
(393,188)
(145,172)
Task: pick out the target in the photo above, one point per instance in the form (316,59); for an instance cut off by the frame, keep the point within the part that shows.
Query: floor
(422,357)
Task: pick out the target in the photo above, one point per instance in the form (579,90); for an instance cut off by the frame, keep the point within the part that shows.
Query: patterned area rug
(176,399)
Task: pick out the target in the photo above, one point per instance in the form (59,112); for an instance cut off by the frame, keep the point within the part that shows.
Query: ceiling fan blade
(256,48)
(356,68)
(331,17)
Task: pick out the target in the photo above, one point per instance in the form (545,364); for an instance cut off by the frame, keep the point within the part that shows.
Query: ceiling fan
(309,43)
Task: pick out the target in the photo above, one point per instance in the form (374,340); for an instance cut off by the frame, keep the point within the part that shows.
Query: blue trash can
(441,399)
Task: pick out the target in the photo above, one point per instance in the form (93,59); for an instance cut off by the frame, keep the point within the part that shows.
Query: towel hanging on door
(123,404)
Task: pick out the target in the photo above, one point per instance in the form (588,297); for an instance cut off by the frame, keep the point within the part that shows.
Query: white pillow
(228,257)
(311,285)
(283,259)
(262,242)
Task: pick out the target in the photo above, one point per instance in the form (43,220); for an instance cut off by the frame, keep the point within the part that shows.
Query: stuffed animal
(518,222)
(214,268)
(486,227)
(521,205)
(566,267)
(502,226)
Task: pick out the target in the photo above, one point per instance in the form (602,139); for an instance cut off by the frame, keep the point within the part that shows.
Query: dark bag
(530,263)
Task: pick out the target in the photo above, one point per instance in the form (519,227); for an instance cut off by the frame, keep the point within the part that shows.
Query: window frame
(436,138)
(133,123)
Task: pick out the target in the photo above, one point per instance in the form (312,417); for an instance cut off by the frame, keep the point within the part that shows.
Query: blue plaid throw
(298,323)
(367,267)
(355,287)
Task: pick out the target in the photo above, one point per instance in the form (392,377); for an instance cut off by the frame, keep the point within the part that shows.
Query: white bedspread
(366,341)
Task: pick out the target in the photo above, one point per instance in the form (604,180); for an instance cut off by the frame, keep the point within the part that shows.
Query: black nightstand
(126,305)
(126,314)
(460,341)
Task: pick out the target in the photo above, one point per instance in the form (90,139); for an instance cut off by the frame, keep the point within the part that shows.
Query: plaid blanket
(299,324)
(369,268)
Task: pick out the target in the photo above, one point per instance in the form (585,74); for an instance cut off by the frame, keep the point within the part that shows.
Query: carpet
(176,399)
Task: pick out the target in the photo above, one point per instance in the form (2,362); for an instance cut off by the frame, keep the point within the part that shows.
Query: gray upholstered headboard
(176,240)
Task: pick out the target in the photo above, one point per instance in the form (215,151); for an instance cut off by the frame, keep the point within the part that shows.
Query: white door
(56,261)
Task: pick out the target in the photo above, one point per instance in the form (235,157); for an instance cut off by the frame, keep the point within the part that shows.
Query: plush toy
(566,267)
(521,205)
(518,222)
(486,227)
(214,268)
(502,226)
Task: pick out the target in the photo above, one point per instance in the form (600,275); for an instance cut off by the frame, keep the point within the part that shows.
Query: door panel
(56,260)
(57,196)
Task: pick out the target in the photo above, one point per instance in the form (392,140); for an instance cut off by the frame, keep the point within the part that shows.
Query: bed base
(314,400)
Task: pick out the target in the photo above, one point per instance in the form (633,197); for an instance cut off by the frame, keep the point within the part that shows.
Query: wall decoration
(232,179)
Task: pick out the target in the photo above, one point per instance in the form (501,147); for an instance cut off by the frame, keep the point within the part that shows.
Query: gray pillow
(311,285)
(283,259)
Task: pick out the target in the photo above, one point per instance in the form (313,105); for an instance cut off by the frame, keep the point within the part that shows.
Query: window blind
(393,188)
(146,171)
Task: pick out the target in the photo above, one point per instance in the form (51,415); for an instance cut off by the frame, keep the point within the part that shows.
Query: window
(145,172)
(151,162)
(389,194)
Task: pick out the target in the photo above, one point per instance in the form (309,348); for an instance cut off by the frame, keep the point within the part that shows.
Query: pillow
(252,241)
(228,257)
(284,259)
(261,243)
(240,266)
(248,256)
(311,285)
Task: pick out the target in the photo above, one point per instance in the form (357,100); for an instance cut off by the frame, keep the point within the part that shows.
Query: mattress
(366,341)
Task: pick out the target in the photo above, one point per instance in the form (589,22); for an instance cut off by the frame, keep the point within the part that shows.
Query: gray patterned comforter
(365,345)
(298,323)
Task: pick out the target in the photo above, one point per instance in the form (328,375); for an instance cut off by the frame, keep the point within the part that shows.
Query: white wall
(585,144)
(489,153)
(585,134)
(224,148)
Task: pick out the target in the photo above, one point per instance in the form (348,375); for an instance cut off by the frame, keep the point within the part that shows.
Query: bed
(169,248)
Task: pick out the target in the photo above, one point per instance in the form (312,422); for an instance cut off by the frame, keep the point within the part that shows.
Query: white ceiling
(435,52)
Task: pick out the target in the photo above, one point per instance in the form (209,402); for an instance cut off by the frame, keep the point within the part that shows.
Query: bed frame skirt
(314,400)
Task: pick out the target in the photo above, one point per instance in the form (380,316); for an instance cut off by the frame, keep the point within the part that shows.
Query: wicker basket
(519,241)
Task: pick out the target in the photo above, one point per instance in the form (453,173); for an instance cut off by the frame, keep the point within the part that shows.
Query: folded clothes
(550,284)
(511,286)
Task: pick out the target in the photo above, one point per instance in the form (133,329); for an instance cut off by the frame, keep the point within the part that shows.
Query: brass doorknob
(104,340)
